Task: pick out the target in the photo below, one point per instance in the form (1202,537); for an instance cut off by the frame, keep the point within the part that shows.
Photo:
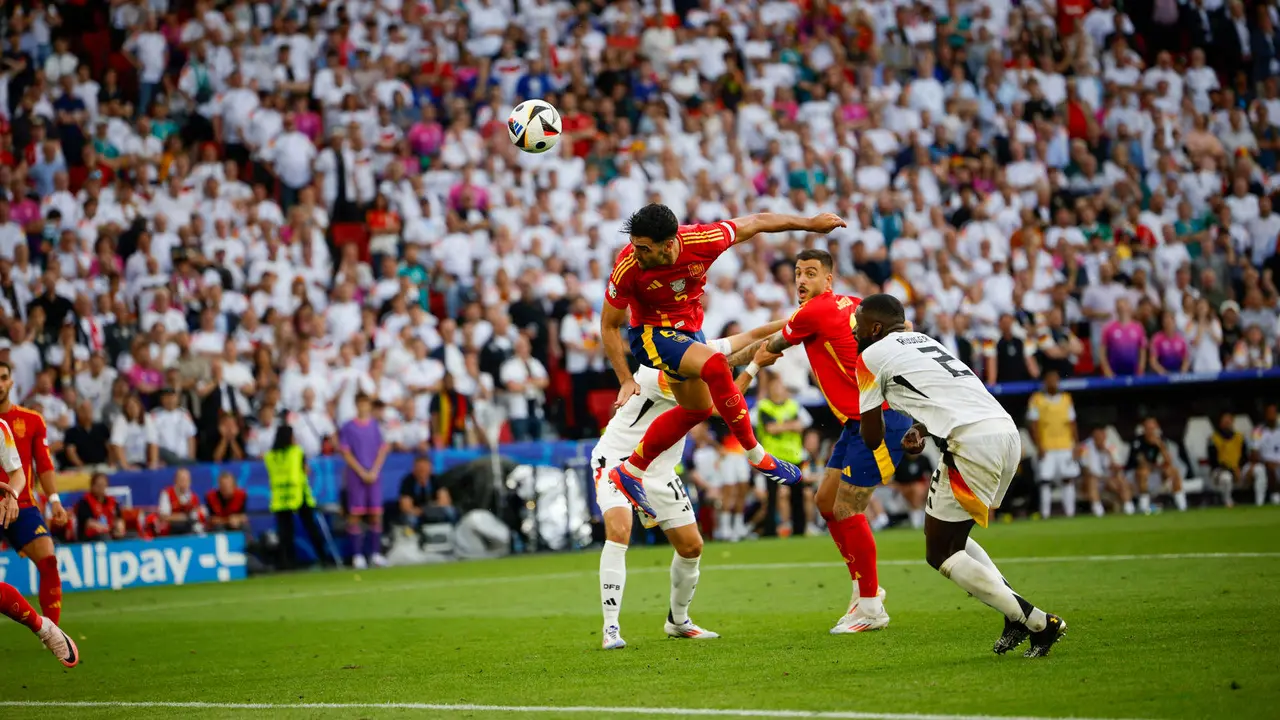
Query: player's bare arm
(611,321)
(9,493)
(761,359)
(747,227)
(49,483)
(744,346)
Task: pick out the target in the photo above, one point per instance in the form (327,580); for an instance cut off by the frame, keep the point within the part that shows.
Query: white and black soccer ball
(534,126)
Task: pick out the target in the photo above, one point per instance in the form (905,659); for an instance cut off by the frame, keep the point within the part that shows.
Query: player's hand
(8,508)
(58,515)
(825,223)
(913,441)
(763,357)
(629,388)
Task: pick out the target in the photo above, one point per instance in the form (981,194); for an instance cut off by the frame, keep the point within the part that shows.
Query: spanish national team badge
(613,290)
(696,269)
(19,428)
(678,285)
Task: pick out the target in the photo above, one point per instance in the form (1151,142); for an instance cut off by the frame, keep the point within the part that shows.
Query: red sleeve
(619,294)
(801,326)
(40,456)
(707,242)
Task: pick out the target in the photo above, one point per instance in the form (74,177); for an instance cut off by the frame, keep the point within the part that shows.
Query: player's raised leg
(16,608)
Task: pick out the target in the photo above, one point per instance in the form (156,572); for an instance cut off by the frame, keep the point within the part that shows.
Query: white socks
(1069,499)
(1046,500)
(684,580)
(739,526)
(917,518)
(1144,504)
(755,455)
(1128,507)
(1098,510)
(1259,485)
(1180,501)
(985,583)
(613,579)
(979,553)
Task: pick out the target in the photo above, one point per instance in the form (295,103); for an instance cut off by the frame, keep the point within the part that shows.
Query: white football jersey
(918,377)
(10,461)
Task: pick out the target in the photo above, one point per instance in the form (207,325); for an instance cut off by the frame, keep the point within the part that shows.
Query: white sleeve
(164,507)
(870,391)
(721,345)
(10,460)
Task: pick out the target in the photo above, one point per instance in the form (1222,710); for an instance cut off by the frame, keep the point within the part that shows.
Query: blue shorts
(663,348)
(28,526)
(861,467)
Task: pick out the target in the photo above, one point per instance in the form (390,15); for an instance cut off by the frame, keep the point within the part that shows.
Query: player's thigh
(825,497)
(678,353)
(852,499)
(27,531)
(692,394)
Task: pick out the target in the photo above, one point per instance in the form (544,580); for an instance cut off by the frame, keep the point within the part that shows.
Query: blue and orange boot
(779,471)
(632,488)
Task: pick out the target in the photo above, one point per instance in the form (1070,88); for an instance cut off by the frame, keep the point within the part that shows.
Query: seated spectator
(97,513)
(175,431)
(227,442)
(1124,343)
(421,502)
(1169,348)
(86,441)
(1265,450)
(133,438)
(1226,456)
(1152,466)
(179,510)
(1252,351)
(525,382)
(227,504)
(1101,469)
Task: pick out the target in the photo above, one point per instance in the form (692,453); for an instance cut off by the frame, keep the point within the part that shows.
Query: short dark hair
(885,309)
(654,221)
(821,256)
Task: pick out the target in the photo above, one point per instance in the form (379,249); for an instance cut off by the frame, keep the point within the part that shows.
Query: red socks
(728,400)
(667,429)
(857,546)
(13,605)
(50,589)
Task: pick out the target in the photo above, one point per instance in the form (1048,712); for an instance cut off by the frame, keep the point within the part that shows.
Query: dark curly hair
(654,221)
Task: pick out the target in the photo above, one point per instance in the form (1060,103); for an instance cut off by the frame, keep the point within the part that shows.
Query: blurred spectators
(97,513)
(227,505)
(250,202)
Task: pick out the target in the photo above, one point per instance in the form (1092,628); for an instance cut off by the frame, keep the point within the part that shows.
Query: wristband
(53,498)
(753,369)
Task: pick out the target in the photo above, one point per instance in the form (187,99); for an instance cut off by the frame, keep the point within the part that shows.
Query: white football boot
(59,643)
(358,562)
(687,630)
(855,622)
(611,638)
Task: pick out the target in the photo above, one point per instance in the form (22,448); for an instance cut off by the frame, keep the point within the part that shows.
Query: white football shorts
(978,467)
(1057,465)
(664,488)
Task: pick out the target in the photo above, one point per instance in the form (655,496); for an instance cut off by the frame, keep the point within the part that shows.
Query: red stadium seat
(1084,363)
(600,404)
(349,233)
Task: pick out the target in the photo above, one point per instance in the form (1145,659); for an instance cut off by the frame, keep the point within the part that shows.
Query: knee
(616,529)
(825,500)
(936,554)
(690,548)
(715,366)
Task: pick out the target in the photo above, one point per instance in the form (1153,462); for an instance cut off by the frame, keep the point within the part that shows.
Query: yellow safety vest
(787,446)
(287,473)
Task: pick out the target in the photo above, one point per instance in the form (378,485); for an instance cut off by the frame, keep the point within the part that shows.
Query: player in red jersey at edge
(824,324)
(13,484)
(660,277)
(27,533)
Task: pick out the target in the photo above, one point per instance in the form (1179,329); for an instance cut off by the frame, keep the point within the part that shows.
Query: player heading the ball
(660,276)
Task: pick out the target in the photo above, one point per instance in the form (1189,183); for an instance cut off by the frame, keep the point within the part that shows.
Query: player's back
(669,295)
(918,377)
(824,325)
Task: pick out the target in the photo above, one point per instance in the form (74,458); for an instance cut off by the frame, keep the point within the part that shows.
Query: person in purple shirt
(364,451)
(1169,352)
(1124,343)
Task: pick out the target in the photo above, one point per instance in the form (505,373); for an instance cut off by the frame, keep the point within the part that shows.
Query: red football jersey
(31,435)
(670,295)
(825,326)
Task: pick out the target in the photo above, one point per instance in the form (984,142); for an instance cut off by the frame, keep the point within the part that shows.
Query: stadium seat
(1196,440)
(600,405)
(352,233)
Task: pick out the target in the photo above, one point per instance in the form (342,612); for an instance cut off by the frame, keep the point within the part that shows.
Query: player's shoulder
(624,263)
(26,414)
(701,233)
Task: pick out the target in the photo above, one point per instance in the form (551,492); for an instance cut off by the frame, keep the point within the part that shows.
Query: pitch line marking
(362,589)
(466,707)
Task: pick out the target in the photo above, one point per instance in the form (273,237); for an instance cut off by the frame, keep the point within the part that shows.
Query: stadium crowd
(217,217)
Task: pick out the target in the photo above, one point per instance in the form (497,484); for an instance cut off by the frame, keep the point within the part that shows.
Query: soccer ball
(534,126)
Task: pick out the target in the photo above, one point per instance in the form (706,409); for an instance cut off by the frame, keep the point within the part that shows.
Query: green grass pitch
(1152,634)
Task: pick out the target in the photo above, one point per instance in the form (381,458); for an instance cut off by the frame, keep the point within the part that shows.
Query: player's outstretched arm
(611,321)
(761,359)
(742,347)
(748,226)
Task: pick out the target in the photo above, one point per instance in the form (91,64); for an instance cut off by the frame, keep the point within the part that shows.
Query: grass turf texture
(1149,638)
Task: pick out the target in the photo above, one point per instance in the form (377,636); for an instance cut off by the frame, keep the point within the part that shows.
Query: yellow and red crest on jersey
(19,428)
